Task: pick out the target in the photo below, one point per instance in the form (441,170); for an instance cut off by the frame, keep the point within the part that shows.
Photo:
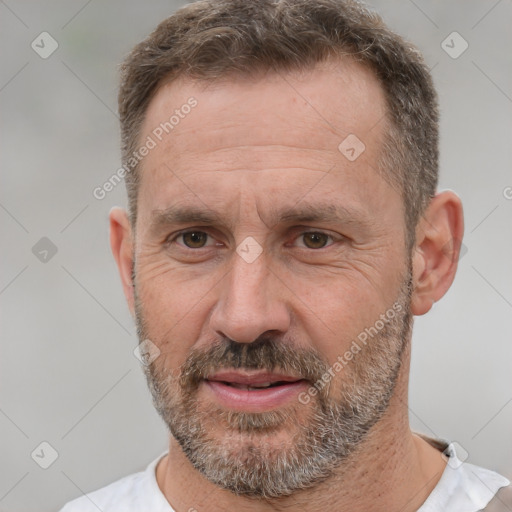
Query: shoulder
(464,486)
(120,494)
(135,492)
(502,502)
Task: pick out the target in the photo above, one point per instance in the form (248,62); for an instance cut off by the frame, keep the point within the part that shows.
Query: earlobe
(435,256)
(121,243)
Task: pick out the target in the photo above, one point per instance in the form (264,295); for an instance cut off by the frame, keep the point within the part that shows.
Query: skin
(250,149)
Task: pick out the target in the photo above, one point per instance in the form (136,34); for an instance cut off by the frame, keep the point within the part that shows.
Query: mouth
(263,385)
(255,391)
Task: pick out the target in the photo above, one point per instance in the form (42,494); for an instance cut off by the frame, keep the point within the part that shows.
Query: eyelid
(298,233)
(303,232)
(174,236)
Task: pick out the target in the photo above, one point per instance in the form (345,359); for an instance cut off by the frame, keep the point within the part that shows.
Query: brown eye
(195,239)
(315,240)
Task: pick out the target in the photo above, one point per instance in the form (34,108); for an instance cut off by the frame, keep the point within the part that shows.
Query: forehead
(338,96)
(267,133)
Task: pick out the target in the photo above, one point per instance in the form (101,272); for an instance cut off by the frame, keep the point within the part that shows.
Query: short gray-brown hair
(212,39)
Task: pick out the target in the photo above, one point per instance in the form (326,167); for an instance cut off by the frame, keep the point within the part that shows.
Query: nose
(251,302)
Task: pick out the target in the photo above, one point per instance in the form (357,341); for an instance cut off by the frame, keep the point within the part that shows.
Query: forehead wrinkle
(189,161)
(186,173)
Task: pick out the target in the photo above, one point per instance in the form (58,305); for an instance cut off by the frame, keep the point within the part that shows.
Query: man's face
(262,255)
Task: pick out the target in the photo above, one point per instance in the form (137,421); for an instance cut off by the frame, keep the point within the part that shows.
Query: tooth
(238,386)
(263,385)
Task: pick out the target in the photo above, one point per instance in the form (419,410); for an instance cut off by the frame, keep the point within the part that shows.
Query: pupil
(195,239)
(315,240)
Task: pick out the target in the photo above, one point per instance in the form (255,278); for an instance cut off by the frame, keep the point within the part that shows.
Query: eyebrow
(332,213)
(182,215)
(301,212)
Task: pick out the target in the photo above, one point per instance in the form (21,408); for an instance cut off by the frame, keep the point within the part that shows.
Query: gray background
(68,375)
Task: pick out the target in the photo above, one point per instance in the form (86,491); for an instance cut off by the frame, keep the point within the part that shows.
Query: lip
(249,378)
(253,400)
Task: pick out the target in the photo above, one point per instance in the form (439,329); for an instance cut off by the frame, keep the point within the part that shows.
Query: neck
(393,469)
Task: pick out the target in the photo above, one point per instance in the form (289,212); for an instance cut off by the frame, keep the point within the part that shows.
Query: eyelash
(175,237)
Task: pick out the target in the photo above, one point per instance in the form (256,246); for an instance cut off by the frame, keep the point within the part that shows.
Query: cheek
(174,310)
(337,313)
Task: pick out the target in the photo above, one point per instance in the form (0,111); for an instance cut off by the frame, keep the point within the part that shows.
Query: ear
(121,243)
(436,254)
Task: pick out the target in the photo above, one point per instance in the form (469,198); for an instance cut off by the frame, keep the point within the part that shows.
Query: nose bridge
(249,282)
(249,302)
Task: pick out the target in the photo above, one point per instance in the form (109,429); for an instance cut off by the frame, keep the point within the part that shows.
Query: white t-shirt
(463,487)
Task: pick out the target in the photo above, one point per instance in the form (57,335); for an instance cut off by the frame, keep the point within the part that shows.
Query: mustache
(265,353)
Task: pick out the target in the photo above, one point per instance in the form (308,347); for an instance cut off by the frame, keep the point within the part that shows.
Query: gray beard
(243,459)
